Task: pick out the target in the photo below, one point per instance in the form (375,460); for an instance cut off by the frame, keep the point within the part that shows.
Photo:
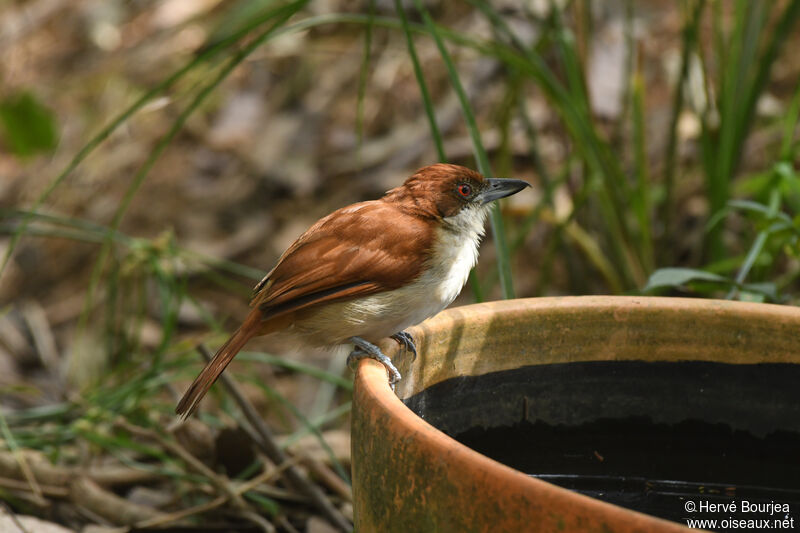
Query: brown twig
(16,464)
(266,475)
(13,517)
(221,483)
(183,513)
(285,524)
(50,491)
(42,335)
(327,476)
(52,478)
(217,502)
(88,494)
(278,493)
(82,490)
(115,475)
(266,441)
(259,521)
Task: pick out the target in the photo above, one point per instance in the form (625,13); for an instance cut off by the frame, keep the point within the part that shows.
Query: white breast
(455,254)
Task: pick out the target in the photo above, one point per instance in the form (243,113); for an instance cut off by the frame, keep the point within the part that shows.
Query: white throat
(455,253)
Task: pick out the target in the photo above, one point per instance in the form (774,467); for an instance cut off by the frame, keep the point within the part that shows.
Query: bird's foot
(406,341)
(365,350)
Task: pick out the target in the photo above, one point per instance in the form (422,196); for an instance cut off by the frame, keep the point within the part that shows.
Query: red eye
(465,190)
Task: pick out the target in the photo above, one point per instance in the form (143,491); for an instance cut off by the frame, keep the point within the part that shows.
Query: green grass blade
(296,366)
(689,39)
(430,113)
(496,219)
(427,102)
(787,20)
(362,78)
(283,15)
(641,200)
(749,20)
(742,83)
(758,244)
(311,427)
(87,231)
(571,103)
(791,121)
(319,421)
(95,141)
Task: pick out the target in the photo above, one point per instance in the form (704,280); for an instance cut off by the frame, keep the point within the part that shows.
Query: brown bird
(369,270)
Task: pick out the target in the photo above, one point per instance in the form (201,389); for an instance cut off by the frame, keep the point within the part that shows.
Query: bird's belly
(371,317)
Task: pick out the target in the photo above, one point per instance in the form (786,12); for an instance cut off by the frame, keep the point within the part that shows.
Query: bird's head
(446,191)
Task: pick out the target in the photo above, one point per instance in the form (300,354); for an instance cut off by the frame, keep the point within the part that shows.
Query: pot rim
(624,314)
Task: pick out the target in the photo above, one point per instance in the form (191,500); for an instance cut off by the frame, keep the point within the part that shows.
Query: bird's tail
(199,387)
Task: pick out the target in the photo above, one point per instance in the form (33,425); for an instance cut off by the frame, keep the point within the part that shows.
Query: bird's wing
(358,250)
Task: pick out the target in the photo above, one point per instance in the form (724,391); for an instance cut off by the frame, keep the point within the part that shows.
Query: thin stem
(496,219)
(269,445)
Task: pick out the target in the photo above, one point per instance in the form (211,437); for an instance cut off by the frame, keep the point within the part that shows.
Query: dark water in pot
(678,440)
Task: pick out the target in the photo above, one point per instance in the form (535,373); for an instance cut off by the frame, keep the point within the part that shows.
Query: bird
(370,270)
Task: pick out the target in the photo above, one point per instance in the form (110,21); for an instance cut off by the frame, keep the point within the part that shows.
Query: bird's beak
(500,188)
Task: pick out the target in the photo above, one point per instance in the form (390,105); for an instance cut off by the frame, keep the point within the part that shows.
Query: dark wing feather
(359,250)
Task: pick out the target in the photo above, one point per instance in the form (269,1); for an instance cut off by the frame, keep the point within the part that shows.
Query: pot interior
(646,435)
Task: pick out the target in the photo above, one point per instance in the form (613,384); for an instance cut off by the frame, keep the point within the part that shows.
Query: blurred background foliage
(156,157)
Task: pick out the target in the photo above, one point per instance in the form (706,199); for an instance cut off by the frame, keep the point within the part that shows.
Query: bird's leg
(406,341)
(366,349)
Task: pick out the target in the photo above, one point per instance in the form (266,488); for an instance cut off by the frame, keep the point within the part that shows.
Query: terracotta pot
(410,476)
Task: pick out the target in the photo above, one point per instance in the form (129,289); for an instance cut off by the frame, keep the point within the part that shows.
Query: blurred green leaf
(239,16)
(678,277)
(28,126)
(705,281)
(267,504)
(760,209)
(758,292)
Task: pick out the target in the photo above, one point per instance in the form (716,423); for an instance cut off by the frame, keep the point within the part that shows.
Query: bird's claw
(406,341)
(364,350)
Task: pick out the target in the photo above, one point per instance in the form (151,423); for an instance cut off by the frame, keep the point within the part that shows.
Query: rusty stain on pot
(409,476)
